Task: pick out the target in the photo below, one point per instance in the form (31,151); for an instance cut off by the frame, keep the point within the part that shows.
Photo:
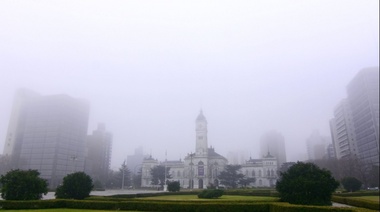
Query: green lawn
(370,198)
(223,198)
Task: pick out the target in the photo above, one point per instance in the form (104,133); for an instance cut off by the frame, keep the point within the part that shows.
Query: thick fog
(148,67)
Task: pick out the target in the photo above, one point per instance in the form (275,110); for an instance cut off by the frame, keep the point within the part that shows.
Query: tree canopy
(158,175)
(351,184)
(307,184)
(231,177)
(22,185)
(75,186)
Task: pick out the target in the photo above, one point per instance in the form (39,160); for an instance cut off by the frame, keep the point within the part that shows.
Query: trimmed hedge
(286,207)
(210,193)
(252,192)
(356,202)
(33,204)
(358,194)
(184,206)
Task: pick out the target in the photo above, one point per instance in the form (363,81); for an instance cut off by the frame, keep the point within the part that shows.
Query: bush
(174,186)
(210,193)
(306,184)
(75,186)
(351,184)
(22,185)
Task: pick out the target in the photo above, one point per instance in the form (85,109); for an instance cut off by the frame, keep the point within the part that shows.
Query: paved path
(335,204)
(50,195)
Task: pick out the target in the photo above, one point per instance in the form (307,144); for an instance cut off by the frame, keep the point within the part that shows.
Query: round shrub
(210,193)
(306,184)
(75,186)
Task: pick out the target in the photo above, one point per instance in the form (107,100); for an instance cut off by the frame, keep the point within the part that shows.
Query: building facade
(317,146)
(342,131)
(47,133)
(98,154)
(363,98)
(202,168)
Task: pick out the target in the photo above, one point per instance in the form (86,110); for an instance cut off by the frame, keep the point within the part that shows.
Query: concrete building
(363,98)
(47,133)
(342,131)
(316,146)
(98,154)
(202,168)
(134,161)
(274,143)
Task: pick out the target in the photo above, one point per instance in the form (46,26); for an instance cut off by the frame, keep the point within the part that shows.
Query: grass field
(223,198)
(370,198)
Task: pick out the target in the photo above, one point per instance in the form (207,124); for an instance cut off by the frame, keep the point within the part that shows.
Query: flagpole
(166,154)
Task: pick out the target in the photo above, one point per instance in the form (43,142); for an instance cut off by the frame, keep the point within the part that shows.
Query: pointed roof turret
(201,117)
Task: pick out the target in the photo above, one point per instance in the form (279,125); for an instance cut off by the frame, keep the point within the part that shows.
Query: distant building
(363,97)
(134,161)
(330,152)
(202,168)
(98,154)
(47,133)
(274,143)
(316,146)
(342,131)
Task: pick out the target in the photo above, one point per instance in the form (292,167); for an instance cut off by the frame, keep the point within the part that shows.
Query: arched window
(259,173)
(268,172)
(178,173)
(272,172)
(260,182)
(253,173)
(201,170)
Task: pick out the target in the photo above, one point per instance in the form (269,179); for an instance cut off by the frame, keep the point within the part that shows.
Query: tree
(22,185)
(158,175)
(230,176)
(115,178)
(174,186)
(351,184)
(75,186)
(137,179)
(246,181)
(306,184)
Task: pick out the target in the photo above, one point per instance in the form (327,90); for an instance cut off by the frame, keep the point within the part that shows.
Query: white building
(202,168)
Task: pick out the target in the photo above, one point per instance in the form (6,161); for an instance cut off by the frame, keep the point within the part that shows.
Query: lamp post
(74,158)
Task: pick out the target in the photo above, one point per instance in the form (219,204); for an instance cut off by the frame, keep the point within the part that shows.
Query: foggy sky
(148,67)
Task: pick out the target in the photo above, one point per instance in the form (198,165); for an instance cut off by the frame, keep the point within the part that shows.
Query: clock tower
(201,135)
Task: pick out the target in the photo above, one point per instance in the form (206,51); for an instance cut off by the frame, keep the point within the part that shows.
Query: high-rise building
(274,143)
(342,131)
(98,154)
(363,98)
(316,146)
(47,133)
(134,161)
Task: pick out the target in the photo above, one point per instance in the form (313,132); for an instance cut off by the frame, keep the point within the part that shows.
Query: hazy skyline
(148,67)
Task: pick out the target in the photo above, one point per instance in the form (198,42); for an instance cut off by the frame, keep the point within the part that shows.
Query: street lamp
(74,158)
